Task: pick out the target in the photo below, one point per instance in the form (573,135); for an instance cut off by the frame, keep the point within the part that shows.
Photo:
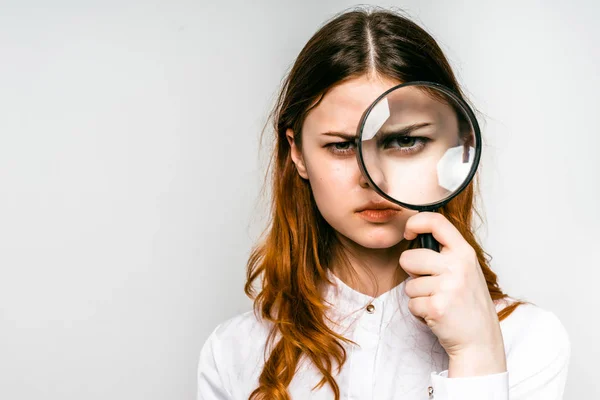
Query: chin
(377,237)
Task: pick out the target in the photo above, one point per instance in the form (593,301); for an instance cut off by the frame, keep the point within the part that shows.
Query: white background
(129,174)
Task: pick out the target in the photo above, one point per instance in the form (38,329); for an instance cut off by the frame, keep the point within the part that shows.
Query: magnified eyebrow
(405,130)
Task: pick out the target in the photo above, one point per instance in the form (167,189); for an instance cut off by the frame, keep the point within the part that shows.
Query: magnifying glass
(418,146)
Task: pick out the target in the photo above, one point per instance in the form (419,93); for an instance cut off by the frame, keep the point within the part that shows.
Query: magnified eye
(404,143)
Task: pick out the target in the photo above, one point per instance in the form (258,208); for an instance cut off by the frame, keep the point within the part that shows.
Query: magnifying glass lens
(418,145)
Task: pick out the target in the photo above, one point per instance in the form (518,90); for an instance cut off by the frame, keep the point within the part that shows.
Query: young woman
(349,307)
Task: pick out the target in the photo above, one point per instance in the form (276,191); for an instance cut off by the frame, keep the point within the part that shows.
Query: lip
(381,215)
(378,212)
(378,206)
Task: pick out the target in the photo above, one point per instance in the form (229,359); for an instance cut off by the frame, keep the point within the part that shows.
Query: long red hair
(299,246)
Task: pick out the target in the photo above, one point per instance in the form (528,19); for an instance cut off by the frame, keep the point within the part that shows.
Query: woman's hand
(449,292)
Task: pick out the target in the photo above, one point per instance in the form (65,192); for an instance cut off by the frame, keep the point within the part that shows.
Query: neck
(371,271)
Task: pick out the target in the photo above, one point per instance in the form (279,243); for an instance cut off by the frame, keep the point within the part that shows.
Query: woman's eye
(405,143)
(341,147)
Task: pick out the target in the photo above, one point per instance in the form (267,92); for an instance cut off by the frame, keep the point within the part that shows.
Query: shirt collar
(347,302)
(345,298)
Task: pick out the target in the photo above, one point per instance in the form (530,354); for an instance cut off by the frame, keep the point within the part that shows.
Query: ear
(296,154)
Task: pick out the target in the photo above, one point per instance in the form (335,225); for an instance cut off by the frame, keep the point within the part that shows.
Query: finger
(435,223)
(417,262)
(423,286)
(419,306)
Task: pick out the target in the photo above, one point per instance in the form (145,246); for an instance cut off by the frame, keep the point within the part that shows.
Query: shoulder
(239,342)
(537,346)
(232,356)
(529,321)
(239,331)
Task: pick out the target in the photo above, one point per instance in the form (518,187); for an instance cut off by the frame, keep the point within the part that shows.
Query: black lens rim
(472,119)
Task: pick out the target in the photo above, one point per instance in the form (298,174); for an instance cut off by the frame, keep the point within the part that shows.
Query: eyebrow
(404,131)
(343,135)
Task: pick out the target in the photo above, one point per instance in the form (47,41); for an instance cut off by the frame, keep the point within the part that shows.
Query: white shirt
(397,357)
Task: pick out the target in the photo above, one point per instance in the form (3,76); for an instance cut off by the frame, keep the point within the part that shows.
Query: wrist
(480,361)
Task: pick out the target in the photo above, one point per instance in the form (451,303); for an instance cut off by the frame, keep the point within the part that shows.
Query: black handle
(428,242)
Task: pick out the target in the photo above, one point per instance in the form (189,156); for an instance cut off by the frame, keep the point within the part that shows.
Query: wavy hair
(299,246)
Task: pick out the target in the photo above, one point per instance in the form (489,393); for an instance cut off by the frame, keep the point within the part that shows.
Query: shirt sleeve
(210,381)
(537,364)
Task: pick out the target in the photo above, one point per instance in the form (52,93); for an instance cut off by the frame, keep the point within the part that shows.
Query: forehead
(342,106)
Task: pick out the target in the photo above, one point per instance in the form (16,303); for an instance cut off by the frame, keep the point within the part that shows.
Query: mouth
(371,206)
(378,212)
(380,216)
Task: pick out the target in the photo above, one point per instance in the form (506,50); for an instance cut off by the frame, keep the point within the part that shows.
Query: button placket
(367,335)
(372,317)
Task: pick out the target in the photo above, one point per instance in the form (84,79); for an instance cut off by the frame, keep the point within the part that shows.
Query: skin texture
(447,290)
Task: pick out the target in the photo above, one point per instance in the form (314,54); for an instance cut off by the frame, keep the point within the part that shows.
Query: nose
(373,169)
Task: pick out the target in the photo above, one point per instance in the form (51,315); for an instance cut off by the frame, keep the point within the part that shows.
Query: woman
(349,307)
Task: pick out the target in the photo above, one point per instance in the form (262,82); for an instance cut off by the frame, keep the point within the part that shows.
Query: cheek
(332,181)
(333,175)
(414,180)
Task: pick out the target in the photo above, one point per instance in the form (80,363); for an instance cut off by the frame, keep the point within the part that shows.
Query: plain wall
(129,174)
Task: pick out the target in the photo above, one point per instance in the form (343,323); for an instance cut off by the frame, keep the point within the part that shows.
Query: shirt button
(430,392)
(370,308)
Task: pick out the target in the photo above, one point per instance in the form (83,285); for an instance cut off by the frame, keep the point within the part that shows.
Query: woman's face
(329,163)
(327,160)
